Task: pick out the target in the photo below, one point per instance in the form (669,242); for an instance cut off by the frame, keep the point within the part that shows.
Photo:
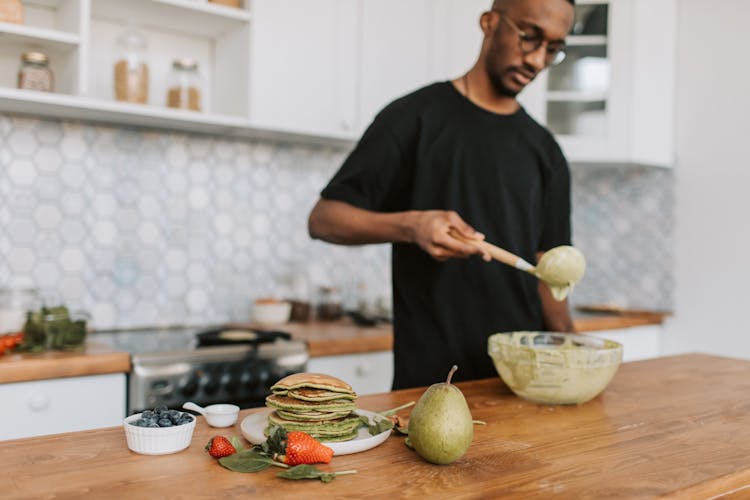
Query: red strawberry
(219,446)
(302,448)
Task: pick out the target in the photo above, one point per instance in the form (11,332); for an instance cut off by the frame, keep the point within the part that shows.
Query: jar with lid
(35,73)
(131,68)
(329,304)
(184,85)
(14,304)
(11,11)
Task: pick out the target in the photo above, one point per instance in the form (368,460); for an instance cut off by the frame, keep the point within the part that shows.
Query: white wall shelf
(575,96)
(63,106)
(179,16)
(46,38)
(585,40)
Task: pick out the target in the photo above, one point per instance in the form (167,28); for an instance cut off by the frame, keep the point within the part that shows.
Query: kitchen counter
(324,338)
(672,427)
(344,337)
(93,360)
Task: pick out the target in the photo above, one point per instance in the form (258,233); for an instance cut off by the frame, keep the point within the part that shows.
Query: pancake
(340,429)
(318,404)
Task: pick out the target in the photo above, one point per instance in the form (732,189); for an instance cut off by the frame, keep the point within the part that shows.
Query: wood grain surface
(674,427)
(93,360)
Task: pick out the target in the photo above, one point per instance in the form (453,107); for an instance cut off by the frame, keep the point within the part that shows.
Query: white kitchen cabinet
(54,406)
(611,101)
(367,373)
(304,60)
(397,39)
(638,342)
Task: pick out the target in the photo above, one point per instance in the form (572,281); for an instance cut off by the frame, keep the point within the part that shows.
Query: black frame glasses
(553,54)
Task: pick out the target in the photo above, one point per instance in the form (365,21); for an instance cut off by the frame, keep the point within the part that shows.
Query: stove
(216,365)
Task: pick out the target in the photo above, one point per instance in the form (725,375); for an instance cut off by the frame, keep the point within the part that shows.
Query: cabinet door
(397,37)
(303,60)
(61,405)
(367,373)
(458,37)
(638,342)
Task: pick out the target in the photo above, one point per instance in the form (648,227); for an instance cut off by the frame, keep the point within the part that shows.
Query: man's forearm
(345,224)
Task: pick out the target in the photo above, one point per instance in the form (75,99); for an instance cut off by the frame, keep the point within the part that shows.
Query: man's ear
(485,22)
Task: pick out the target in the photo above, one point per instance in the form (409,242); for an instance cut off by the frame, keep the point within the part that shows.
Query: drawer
(367,373)
(61,405)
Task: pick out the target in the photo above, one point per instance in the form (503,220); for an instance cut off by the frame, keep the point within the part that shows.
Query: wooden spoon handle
(497,253)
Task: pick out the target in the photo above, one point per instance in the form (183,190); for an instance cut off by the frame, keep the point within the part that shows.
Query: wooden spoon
(548,263)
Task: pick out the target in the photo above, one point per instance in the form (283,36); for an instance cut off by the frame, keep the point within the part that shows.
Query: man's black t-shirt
(503,174)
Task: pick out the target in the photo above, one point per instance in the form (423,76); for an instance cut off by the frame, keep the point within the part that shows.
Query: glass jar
(14,304)
(184,85)
(11,11)
(131,68)
(35,73)
(329,304)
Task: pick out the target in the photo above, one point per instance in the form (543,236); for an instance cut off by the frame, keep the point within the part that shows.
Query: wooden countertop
(344,337)
(93,360)
(324,339)
(673,427)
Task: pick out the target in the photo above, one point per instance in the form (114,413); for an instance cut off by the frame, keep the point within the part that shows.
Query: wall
(712,178)
(147,228)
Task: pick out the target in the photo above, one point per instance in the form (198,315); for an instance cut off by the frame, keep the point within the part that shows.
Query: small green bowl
(554,368)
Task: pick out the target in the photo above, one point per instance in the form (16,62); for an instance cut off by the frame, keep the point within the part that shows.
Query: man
(455,156)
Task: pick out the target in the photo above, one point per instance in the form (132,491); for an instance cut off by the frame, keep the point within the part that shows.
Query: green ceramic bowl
(554,368)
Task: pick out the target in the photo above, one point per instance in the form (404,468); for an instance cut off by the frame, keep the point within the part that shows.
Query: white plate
(252,428)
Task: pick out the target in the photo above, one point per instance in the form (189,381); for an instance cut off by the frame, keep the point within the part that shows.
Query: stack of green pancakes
(320,405)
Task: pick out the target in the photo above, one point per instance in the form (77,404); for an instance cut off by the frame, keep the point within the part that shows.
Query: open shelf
(585,40)
(43,37)
(180,16)
(103,111)
(576,96)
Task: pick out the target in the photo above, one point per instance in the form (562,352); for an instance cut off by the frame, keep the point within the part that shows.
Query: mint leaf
(248,461)
(306,471)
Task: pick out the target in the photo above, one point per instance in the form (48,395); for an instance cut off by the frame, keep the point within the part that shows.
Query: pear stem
(450,374)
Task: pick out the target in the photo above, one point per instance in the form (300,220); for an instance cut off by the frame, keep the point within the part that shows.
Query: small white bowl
(271,313)
(221,415)
(157,440)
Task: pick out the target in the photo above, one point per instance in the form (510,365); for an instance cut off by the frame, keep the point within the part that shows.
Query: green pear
(440,425)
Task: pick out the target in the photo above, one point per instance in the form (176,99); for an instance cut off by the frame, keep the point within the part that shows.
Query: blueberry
(151,420)
(152,424)
(161,409)
(174,415)
(147,414)
(140,423)
(184,420)
(165,422)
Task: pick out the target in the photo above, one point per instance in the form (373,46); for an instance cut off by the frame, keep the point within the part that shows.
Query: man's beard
(496,80)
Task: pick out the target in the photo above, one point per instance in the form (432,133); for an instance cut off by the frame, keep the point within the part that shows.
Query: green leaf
(380,425)
(306,471)
(237,442)
(251,460)
(377,425)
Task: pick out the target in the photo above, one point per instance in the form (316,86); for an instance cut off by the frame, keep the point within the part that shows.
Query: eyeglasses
(554,52)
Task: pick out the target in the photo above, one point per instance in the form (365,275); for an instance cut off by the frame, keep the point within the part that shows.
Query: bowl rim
(175,429)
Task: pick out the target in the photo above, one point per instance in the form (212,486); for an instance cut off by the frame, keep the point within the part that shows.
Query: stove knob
(264,374)
(248,379)
(230,382)
(210,384)
(189,388)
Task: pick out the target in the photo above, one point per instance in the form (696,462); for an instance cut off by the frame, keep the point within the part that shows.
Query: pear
(440,425)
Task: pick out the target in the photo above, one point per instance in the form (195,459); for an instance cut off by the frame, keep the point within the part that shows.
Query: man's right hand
(432,232)
(342,223)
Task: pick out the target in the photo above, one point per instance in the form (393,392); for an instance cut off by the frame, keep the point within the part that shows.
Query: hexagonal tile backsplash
(146,228)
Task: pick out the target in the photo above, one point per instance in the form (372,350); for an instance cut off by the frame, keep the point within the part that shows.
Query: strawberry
(295,448)
(219,446)
(302,448)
